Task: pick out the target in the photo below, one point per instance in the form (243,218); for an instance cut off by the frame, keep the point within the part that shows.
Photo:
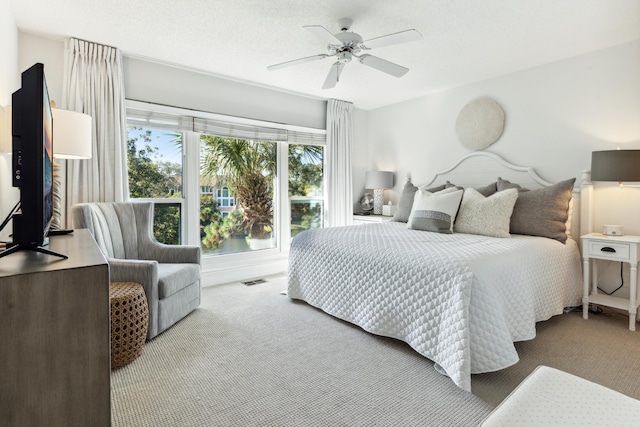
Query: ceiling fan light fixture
(345,45)
(345,57)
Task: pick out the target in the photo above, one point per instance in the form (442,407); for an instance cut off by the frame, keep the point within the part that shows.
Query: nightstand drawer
(609,250)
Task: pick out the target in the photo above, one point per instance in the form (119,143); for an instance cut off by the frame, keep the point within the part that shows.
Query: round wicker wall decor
(480,123)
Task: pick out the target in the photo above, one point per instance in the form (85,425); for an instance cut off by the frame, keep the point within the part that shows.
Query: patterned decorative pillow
(435,211)
(403,210)
(542,212)
(487,216)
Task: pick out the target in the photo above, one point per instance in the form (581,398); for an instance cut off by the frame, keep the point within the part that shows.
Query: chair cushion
(174,277)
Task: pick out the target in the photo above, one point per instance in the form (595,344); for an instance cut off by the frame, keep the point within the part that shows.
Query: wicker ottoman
(129,322)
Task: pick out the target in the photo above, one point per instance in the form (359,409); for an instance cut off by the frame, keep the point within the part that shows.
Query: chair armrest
(170,253)
(144,272)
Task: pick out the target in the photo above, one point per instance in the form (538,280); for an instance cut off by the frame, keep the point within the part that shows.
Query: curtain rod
(88,41)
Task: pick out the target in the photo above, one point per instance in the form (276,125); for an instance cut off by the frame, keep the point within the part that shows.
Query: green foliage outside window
(305,170)
(149,178)
(248,168)
(305,179)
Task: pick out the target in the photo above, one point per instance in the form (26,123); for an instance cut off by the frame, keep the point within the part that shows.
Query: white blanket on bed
(461,300)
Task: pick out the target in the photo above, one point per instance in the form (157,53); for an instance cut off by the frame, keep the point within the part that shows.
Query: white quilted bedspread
(460,300)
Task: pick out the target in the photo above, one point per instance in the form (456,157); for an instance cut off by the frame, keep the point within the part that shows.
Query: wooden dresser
(54,336)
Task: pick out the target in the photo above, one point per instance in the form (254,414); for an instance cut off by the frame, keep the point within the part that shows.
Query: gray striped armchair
(170,275)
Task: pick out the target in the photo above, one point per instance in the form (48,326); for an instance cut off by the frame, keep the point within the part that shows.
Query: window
(154,160)
(249,168)
(306,189)
(225,198)
(247,187)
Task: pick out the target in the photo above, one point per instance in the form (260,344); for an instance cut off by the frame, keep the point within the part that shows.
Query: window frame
(190,201)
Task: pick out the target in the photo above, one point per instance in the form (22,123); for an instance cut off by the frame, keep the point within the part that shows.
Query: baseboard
(219,273)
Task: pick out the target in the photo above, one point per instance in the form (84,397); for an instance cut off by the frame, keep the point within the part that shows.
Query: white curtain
(339,186)
(93,84)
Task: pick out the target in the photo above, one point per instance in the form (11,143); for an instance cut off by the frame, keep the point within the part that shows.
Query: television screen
(32,127)
(47,138)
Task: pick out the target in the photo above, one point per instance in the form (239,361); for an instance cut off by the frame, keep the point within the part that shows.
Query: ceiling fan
(346,45)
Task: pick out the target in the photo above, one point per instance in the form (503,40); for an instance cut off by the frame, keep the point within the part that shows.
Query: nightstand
(369,219)
(611,248)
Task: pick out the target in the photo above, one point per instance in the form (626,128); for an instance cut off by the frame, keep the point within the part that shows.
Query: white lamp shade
(71,135)
(378,179)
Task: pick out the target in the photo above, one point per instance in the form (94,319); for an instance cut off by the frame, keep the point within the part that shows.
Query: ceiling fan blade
(333,76)
(390,39)
(321,32)
(296,62)
(383,65)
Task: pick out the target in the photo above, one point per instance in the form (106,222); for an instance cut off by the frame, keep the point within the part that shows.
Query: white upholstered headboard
(481,168)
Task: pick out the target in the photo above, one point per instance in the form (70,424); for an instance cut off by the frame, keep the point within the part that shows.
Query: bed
(460,299)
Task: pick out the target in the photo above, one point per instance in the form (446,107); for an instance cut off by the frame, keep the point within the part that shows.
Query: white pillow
(487,216)
(435,211)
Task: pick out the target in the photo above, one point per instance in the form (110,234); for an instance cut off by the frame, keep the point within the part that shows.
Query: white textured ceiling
(464,40)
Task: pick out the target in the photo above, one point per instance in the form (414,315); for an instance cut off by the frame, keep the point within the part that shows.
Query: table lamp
(617,166)
(71,140)
(378,181)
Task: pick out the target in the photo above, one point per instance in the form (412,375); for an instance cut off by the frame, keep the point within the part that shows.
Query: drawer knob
(608,249)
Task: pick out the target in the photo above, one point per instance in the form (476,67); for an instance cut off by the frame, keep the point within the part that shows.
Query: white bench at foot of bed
(550,397)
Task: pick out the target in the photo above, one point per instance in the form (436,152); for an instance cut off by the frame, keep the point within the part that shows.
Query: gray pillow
(542,212)
(488,190)
(403,210)
(503,184)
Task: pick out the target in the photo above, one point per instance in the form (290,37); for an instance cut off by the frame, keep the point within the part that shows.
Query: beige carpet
(600,349)
(249,356)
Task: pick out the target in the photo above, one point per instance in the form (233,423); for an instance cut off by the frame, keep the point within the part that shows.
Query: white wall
(9,82)
(34,49)
(169,85)
(555,116)
(359,153)
(9,78)
(20,51)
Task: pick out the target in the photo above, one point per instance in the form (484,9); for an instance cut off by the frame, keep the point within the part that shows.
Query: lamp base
(56,222)
(378,201)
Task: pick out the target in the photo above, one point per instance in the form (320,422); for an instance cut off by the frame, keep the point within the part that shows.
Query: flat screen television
(32,129)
